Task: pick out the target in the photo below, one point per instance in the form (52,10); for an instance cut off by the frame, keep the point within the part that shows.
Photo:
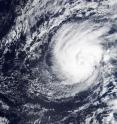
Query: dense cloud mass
(58,62)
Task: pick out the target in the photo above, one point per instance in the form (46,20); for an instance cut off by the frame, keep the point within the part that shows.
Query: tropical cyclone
(78,52)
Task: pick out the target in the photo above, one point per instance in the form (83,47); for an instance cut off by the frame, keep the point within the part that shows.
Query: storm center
(77,53)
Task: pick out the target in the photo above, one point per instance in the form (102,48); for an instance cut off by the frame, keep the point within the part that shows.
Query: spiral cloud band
(78,52)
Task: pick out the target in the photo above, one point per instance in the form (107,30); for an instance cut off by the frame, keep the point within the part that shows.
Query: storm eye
(77,52)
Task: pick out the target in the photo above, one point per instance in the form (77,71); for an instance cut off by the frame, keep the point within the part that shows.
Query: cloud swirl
(78,52)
